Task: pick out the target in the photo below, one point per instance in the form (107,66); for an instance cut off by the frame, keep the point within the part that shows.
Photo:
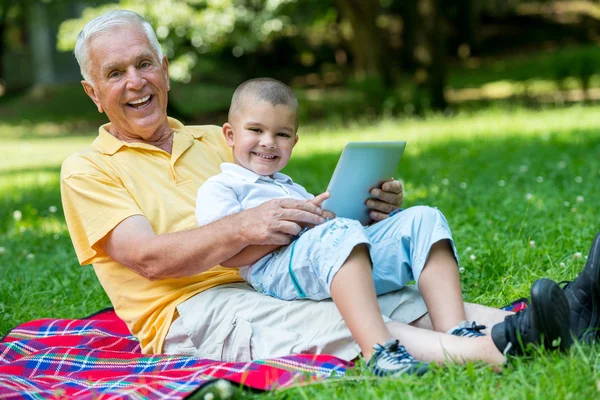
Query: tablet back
(361,167)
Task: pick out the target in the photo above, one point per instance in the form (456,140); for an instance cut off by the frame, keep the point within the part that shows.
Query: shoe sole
(551,313)
(590,336)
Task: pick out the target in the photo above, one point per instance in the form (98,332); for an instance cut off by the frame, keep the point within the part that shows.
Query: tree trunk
(409,33)
(42,45)
(432,50)
(367,44)
(469,24)
(4,6)
(439,70)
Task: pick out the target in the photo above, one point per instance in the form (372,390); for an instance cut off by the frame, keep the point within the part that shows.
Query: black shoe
(583,294)
(545,322)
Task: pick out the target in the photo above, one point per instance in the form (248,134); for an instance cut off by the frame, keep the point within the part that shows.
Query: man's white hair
(104,23)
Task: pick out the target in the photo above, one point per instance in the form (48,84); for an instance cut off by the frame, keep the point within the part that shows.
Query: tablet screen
(361,167)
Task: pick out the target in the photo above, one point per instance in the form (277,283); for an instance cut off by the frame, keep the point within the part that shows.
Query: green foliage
(188,29)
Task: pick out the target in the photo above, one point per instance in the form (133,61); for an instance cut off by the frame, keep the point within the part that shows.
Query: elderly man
(129,205)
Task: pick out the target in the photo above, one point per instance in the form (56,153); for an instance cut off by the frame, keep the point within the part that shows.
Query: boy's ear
(228,133)
(91,92)
(296,139)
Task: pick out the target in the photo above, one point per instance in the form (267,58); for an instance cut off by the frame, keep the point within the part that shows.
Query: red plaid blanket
(97,357)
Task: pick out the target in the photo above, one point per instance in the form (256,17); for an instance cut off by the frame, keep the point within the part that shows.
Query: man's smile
(141,103)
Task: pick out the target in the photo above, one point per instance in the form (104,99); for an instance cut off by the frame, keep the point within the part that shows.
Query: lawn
(519,189)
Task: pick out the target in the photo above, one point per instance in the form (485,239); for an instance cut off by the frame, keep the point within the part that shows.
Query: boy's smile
(262,136)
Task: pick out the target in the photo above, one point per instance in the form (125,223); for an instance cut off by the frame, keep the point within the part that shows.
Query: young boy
(341,259)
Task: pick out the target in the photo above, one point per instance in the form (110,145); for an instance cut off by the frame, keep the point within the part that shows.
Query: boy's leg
(416,244)
(439,284)
(353,292)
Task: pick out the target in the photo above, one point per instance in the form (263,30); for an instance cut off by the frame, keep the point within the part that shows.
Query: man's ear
(165,67)
(228,133)
(90,91)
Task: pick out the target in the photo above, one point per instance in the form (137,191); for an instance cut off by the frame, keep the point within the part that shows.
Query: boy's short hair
(265,89)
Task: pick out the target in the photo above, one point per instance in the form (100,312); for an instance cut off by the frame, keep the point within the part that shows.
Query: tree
(5,8)
(368,46)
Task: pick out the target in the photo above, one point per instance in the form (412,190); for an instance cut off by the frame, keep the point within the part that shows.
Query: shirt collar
(240,172)
(106,143)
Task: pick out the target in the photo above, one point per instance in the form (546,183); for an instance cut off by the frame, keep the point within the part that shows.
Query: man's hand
(278,221)
(385,199)
(317,201)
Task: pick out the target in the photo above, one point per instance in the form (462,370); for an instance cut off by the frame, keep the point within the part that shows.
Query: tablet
(361,167)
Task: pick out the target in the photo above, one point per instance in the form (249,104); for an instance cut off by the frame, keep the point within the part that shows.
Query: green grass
(519,189)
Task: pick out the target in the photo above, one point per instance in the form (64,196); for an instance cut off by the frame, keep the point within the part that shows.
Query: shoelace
(395,353)
(471,331)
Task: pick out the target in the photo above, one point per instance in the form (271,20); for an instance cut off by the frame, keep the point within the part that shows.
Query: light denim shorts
(398,246)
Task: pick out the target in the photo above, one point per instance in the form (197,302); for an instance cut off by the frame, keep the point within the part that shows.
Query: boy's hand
(385,199)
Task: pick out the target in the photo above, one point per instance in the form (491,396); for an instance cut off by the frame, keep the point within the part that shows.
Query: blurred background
(346,59)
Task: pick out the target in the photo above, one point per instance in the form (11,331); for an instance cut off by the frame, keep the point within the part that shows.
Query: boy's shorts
(398,246)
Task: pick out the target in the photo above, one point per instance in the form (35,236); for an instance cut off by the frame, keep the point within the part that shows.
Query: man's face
(262,136)
(130,83)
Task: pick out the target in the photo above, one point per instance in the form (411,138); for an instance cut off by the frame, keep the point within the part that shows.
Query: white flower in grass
(472,257)
(531,243)
(30,256)
(523,168)
(463,185)
(52,209)
(529,196)
(17,215)
(577,255)
(578,179)
(468,249)
(566,204)
(539,179)
(461,270)
(2,250)
(562,265)
(580,199)
(501,183)
(562,164)
(445,182)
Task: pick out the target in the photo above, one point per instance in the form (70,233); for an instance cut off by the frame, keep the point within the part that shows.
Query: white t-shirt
(237,189)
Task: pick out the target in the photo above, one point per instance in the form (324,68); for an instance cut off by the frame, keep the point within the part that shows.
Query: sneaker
(583,295)
(392,359)
(545,322)
(468,329)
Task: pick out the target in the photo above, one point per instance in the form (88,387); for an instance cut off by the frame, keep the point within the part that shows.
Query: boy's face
(262,136)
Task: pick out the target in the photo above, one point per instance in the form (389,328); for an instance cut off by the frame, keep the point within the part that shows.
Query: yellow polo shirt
(112,180)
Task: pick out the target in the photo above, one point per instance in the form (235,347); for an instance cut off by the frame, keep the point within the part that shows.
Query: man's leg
(487,316)
(440,347)
(544,322)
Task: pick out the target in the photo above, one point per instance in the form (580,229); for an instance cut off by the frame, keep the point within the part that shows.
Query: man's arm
(172,255)
(252,254)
